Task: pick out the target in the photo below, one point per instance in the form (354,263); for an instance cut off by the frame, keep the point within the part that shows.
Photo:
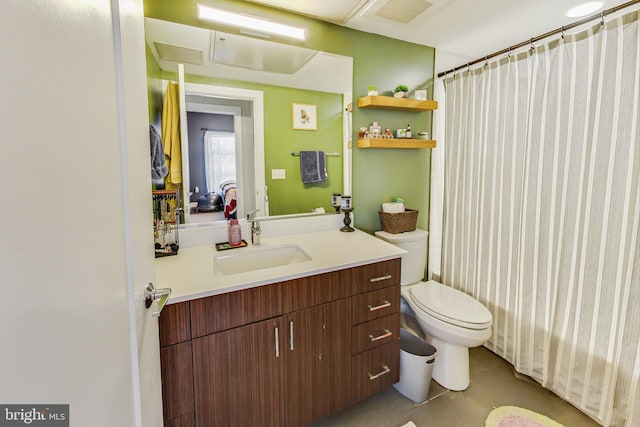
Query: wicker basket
(400,222)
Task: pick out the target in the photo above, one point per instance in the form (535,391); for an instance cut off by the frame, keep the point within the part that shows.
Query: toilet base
(451,367)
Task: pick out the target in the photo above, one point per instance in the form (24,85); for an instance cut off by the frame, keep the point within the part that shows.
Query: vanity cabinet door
(239,376)
(177,384)
(318,362)
(176,365)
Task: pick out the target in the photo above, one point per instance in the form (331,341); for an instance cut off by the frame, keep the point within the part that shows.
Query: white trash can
(416,366)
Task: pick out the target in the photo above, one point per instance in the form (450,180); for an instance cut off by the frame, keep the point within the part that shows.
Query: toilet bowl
(452,321)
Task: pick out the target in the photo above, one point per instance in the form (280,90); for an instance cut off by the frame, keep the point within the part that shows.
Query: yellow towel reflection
(171,136)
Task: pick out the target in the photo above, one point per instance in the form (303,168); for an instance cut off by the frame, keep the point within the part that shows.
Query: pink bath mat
(512,416)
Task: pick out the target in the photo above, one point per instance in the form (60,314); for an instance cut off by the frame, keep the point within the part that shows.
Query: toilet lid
(451,305)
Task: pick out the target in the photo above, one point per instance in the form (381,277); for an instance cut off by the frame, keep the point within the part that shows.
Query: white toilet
(452,320)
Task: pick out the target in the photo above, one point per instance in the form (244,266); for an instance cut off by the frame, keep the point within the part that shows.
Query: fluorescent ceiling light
(249,22)
(584,9)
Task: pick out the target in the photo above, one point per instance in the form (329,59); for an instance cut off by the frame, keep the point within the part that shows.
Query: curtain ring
(562,33)
(486,61)
(602,19)
(533,47)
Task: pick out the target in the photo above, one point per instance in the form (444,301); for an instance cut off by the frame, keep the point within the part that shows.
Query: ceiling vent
(402,11)
(180,54)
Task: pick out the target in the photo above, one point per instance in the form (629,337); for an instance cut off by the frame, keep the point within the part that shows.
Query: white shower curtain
(542,210)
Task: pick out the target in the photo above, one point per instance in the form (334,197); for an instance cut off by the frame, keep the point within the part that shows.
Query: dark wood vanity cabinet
(286,354)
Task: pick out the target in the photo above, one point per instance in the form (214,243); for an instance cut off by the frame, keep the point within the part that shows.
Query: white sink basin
(251,259)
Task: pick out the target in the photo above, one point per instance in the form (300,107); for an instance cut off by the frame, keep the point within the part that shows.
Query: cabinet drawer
(375,370)
(375,304)
(225,311)
(375,333)
(315,290)
(174,324)
(375,276)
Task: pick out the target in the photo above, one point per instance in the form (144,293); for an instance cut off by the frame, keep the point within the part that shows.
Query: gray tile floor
(493,384)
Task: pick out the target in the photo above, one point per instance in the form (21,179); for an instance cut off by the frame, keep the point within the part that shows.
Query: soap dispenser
(235,233)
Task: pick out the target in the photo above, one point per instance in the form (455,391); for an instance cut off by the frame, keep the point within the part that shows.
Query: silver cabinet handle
(277,343)
(377,279)
(291,335)
(385,370)
(387,333)
(385,304)
(152,294)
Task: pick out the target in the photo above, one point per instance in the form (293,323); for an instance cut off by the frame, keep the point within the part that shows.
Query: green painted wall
(291,195)
(378,174)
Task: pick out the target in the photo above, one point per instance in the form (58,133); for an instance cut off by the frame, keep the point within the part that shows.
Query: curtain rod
(224,130)
(560,30)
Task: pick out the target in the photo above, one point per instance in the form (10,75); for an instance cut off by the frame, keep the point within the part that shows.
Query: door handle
(277,342)
(152,294)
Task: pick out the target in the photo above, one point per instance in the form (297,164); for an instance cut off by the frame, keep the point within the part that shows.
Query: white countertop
(190,274)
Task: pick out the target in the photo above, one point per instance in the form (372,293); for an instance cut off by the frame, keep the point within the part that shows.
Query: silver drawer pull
(277,343)
(378,307)
(387,334)
(385,370)
(291,335)
(377,279)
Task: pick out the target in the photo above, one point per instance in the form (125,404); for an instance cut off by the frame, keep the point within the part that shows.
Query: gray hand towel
(158,168)
(313,167)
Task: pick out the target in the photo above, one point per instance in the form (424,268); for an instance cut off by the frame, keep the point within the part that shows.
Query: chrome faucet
(256,231)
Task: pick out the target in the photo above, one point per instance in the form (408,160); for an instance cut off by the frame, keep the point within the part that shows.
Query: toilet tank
(414,261)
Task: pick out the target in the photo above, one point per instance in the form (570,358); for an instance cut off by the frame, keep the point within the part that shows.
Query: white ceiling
(460,30)
(216,54)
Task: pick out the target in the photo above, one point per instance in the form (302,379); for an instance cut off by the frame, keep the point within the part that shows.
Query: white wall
(66,302)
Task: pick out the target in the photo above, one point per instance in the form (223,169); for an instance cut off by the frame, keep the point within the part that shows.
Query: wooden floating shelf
(396,143)
(400,104)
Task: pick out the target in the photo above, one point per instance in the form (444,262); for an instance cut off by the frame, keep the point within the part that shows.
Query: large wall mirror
(251,106)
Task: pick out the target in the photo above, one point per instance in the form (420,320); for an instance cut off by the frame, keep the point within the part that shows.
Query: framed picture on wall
(304,117)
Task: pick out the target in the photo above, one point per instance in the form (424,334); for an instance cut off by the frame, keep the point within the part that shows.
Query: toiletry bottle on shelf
(235,233)
(408,132)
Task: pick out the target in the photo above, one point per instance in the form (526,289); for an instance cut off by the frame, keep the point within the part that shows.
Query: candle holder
(336,201)
(347,221)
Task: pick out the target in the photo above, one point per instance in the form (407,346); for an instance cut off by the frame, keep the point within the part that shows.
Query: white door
(75,218)
(184,142)
(138,217)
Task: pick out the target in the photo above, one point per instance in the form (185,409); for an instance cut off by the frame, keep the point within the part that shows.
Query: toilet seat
(450,305)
